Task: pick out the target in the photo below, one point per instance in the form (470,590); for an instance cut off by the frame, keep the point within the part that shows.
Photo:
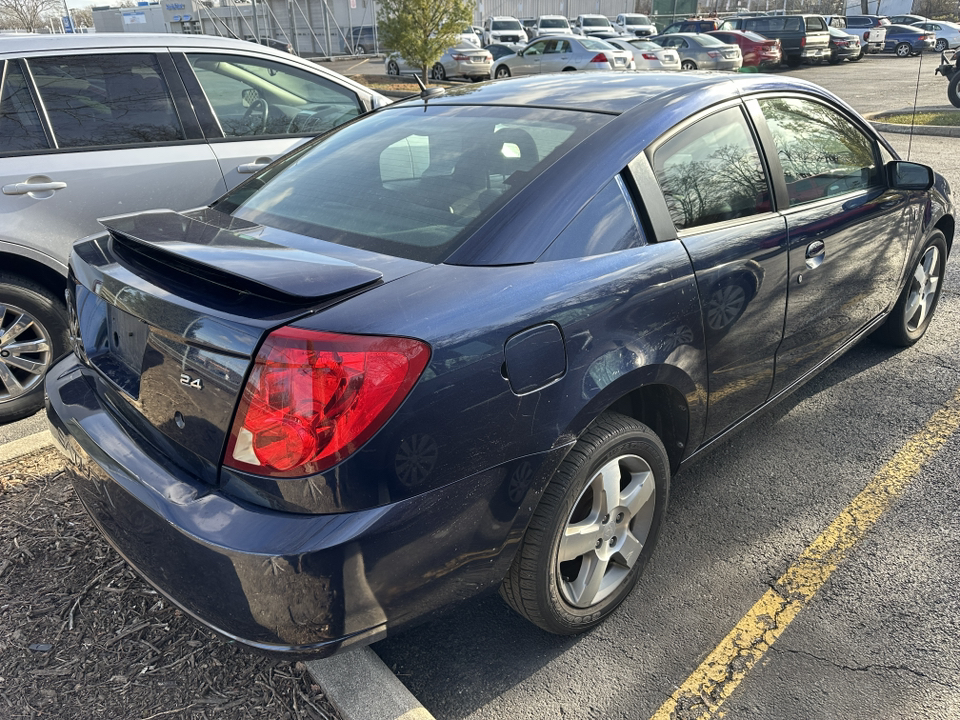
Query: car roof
(613,92)
(13,44)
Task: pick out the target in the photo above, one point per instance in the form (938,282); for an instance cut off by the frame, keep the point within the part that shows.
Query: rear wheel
(593,530)
(503,72)
(33,333)
(911,316)
(941,45)
(903,50)
(953,89)
(438,72)
(688,65)
(393,68)
(361,50)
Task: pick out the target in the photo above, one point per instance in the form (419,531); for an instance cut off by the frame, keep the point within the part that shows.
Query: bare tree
(82,17)
(27,14)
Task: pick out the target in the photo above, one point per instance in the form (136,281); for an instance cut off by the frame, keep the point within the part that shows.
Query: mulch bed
(82,636)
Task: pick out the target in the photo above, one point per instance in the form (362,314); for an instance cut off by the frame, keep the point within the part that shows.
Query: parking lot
(878,639)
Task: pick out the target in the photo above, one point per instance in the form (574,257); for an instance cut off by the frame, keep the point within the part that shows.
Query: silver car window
(256,97)
(104,100)
(20,126)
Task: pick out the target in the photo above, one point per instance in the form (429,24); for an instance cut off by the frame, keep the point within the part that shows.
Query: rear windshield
(410,182)
(644,45)
(709,40)
(507,25)
(755,37)
(594,44)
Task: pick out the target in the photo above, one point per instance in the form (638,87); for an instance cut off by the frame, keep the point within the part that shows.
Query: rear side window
(822,153)
(608,223)
(20,127)
(815,23)
(103,100)
(427,177)
(711,172)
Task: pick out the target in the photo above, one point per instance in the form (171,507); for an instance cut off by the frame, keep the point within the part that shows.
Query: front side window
(711,172)
(608,223)
(256,97)
(822,153)
(425,180)
(20,126)
(103,100)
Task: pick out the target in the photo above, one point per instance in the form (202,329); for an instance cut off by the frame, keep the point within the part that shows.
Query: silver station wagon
(105,124)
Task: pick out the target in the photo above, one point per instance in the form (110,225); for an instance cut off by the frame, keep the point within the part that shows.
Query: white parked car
(947,33)
(647,55)
(637,25)
(503,29)
(592,24)
(111,123)
(563,53)
(551,25)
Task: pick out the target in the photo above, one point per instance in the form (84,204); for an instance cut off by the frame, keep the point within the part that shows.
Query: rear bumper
(299,585)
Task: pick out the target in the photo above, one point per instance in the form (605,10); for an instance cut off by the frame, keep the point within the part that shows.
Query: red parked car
(757,50)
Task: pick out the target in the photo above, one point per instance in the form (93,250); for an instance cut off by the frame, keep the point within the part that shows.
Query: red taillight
(866,35)
(648,56)
(461,58)
(315,397)
(600,57)
(713,53)
(803,41)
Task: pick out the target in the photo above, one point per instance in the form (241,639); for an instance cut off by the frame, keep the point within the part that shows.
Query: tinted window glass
(712,172)
(20,127)
(822,153)
(252,97)
(409,182)
(606,224)
(815,23)
(558,23)
(97,100)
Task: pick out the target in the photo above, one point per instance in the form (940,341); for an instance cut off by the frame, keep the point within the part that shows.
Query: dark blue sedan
(464,342)
(906,40)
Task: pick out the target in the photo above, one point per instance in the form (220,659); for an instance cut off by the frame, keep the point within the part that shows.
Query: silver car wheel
(25,352)
(923,289)
(941,45)
(904,50)
(606,530)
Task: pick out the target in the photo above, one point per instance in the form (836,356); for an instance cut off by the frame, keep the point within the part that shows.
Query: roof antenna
(430,93)
(913,119)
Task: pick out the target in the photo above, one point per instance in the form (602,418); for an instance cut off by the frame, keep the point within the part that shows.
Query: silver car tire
(688,65)
(33,333)
(438,72)
(593,530)
(503,72)
(903,50)
(911,316)
(941,45)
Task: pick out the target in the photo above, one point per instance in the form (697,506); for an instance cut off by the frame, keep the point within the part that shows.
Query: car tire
(903,50)
(941,45)
(953,89)
(688,65)
(503,72)
(834,58)
(911,316)
(393,68)
(361,50)
(438,72)
(616,536)
(23,302)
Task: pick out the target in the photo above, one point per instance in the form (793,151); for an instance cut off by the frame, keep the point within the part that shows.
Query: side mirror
(909,176)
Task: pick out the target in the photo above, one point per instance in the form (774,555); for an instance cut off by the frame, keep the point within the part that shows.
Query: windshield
(554,23)
(645,45)
(410,182)
(507,25)
(709,40)
(596,22)
(636,20)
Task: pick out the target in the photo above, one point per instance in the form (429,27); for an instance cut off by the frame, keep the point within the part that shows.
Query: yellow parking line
(702,694)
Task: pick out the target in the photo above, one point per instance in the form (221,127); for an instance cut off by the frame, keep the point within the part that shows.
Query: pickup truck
(802,37)
(871,29)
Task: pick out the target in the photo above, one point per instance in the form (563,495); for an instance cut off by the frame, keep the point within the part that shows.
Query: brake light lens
(648,56)
(600,57)
(461,58)
(713,53)
(313,398)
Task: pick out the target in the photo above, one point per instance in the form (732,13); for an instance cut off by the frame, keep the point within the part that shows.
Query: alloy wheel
(606,531)
(25,352)
(923,289)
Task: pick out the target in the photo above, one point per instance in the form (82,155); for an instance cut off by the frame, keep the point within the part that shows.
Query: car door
(719,196)
(255,108)
(847,231)
(529,62)
(114,141)
(556,56)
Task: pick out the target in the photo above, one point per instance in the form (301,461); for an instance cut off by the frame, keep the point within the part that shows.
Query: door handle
(258,164)
(815,253)
(28,187)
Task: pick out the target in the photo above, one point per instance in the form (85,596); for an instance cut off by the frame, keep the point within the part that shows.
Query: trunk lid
(170,309)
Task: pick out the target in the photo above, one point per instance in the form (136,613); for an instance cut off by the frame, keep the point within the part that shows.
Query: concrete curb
(937,130)
(361,687)
(24,446)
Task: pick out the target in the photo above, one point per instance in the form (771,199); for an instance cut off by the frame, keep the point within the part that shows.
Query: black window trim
(38,108)
(770,149)
(45,117)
